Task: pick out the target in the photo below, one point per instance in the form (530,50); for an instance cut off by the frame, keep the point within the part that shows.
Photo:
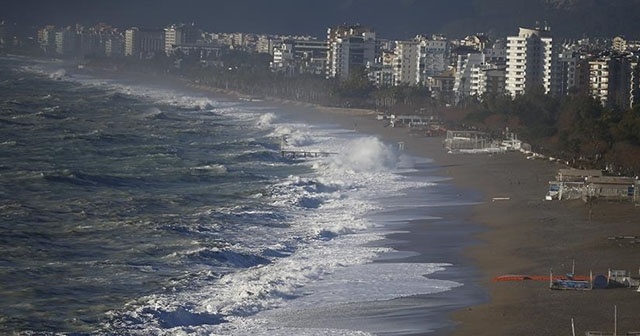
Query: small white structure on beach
(409,120)
(466,140)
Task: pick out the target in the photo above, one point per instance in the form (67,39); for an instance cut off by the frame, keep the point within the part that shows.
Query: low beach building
(410,120)
(613,188)
(589,185)
(570,183)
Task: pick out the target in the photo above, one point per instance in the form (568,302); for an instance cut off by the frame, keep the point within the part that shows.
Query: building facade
(406,65)
(47,39)
(177,35)
(530,61)
(348,48)
(433,56)
(611,80)
(66,40)
(300,56)
(143,42)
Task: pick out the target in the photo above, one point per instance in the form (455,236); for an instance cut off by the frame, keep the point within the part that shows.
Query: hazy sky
(392,18)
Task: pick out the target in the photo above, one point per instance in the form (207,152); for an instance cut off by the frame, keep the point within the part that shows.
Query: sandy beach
(521,233)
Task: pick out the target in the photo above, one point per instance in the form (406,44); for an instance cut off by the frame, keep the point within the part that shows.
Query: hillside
(567,18)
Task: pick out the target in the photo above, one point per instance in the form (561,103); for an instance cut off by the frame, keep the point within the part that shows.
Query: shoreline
(522,235)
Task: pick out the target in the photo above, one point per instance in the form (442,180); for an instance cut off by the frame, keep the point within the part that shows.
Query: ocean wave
(265,120)
(367,154)
(153,113)
(226,258)
(214,169)
(258,288)
(208,228)
(293,137)
(59,74)
(257,156)
(93,180)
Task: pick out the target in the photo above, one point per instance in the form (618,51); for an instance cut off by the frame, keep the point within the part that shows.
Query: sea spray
(189,222)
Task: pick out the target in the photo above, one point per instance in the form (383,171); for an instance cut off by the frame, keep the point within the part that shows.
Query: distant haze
(395,19)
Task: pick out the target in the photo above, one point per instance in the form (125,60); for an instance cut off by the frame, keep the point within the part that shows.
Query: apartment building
(348,48)
(66,40)
(478,73)
(566,70)
(381,73)
(467,74)
(114,45)
(433,57)
(406,66)
(478,42)
(611,80)
(420,58)
(298,56)
(90,42)
(529,61)
(140,42)
(177,35)
(493,80)
(47,39)
(266,44)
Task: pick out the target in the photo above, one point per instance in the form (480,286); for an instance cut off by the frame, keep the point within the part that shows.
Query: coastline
(522,235)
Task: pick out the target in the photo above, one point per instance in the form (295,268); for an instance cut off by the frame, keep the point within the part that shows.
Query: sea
(132,207)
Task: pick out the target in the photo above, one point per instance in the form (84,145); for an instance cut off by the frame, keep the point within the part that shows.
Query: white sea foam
(328,245)
(322,258)
(216,169)
(265,120)
(58,74)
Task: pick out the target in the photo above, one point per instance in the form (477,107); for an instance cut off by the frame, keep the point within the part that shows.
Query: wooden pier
(296,154)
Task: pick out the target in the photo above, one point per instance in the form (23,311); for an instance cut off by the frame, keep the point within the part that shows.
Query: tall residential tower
(530,61)
(349,47)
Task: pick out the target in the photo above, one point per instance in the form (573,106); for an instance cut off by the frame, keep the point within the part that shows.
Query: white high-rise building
(349,47)
(467,71)
(177,35)
(406,68)
(419,59)
(138,42)
(478,74)
(172,38)
(433,56)
(530,61)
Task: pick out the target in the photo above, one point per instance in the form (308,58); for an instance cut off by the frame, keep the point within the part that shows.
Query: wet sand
(523,234)
(440,234)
